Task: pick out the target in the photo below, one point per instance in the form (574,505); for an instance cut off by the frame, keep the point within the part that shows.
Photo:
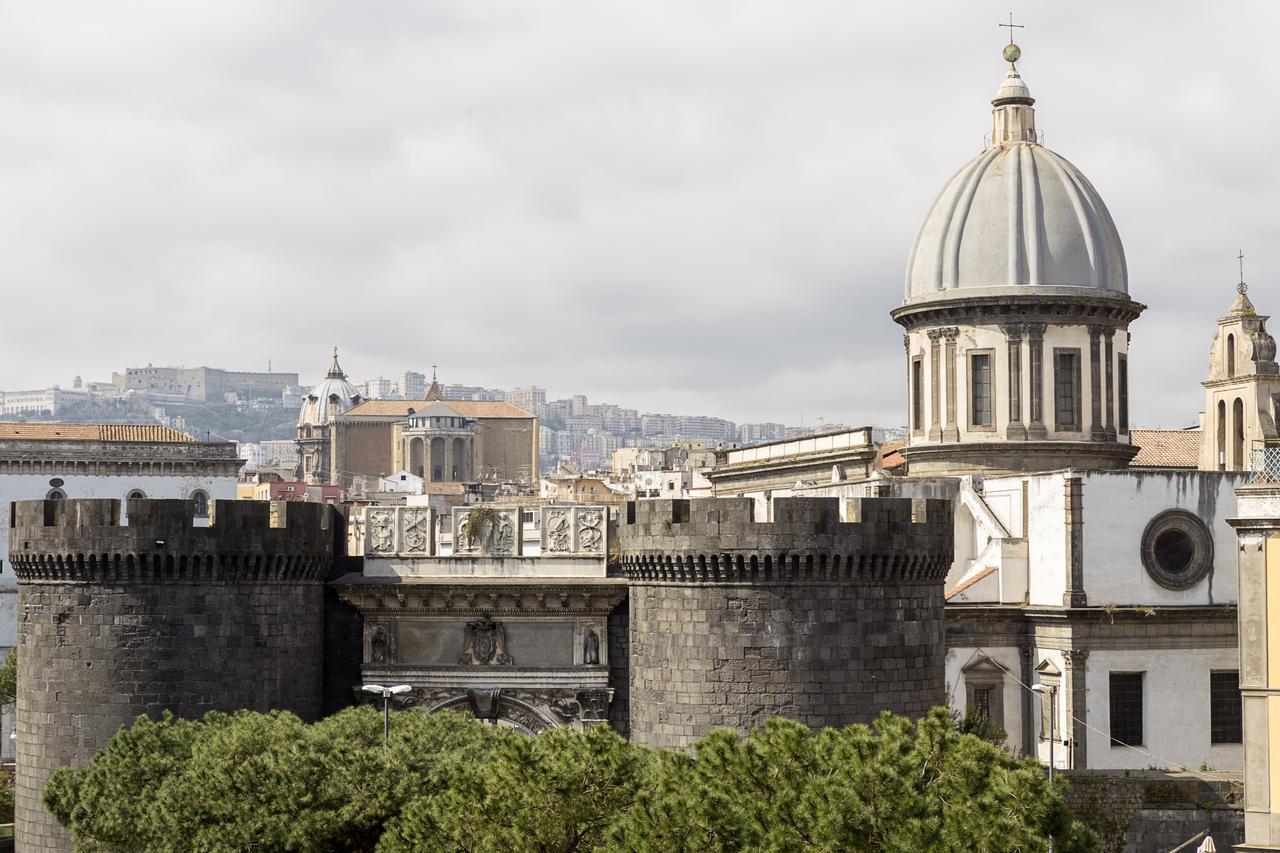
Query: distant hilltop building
(206,384)
(346,440)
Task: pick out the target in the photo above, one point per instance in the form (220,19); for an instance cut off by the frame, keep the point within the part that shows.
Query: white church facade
(1092,601)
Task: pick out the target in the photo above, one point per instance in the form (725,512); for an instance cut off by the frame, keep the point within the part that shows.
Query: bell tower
(1242,389)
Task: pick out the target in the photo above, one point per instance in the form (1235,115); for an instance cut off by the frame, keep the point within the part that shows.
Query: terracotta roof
(1166,448)
(149,433)
(466,408)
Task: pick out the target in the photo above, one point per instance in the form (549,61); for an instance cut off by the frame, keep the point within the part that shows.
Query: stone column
(952,430)
(1073,517)
(1096,432)
(1017,430)
(1109,335)
(1077,710)
(935,396)
(1257,528)
(1035,365)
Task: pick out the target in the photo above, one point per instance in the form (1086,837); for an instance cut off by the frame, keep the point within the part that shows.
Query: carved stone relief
(498,537)
(485,644)
(574,530)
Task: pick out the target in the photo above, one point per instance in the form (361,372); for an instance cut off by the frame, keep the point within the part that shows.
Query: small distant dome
(1016,218)
(333,396)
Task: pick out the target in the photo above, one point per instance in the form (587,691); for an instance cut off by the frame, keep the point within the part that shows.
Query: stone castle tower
(1241,390)
(1017,313)
(808,616)
(120,621)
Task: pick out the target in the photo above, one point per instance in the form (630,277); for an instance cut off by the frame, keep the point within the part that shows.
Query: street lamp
(386,693)
(1052,690)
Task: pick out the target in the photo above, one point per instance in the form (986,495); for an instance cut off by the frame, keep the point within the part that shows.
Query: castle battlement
(712,540)
(83,540)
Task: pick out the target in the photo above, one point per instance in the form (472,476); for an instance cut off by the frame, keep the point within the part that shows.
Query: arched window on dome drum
(917,394)
(1237,435)
(1221,445)
(1231,356)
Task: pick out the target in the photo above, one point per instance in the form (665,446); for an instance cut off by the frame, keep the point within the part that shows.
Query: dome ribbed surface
(1016,216)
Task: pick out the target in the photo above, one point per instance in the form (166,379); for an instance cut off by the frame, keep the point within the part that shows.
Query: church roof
(465,408)
(437,409)
(1017,218)
(136,433)
(1166,448)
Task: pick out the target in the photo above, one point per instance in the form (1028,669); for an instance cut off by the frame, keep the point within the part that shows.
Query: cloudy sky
(696,206)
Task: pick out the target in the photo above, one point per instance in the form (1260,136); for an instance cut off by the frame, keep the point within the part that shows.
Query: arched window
(1221,445)
(1231,356)
(135,495)
(1237,433)
(200,503)
(56,495)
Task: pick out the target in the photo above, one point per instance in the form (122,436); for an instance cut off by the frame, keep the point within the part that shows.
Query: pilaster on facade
(1097,432)
(1077,706)
(1108,335)
(1035,363)
(951,431)
(1017,431)
(935,384)
(1258,554)
(1073,517)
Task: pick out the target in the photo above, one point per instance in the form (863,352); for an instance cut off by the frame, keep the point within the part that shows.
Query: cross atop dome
(1012,53)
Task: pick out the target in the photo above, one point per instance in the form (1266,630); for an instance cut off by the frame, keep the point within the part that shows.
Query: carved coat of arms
(485,643)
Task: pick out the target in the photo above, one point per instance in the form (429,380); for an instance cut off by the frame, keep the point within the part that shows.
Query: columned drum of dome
(1017,311)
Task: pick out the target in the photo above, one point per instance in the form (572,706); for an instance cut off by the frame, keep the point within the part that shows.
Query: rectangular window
(1066,389)
(981,704)
(1225,723)
(917,393)
(980,389)
(1126,708)
(1122,368)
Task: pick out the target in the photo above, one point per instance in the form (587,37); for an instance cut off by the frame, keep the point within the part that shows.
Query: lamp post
(386,693)
(1052,690)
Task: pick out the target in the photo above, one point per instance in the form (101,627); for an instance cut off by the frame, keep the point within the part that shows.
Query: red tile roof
(144,433)
(1166,448)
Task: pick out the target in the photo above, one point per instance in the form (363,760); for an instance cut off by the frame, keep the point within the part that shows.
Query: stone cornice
(455,596)
(1019,308)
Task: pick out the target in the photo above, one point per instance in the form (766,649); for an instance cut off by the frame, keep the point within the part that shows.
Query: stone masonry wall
(115,621)
(812,617)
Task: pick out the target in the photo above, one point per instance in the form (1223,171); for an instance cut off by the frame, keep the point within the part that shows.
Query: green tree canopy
(450,783)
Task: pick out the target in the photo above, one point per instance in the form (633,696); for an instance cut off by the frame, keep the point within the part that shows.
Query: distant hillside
(220,422)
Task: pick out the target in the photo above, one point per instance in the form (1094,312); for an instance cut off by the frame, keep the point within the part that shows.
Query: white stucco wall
(1046,539)
(1175,709)
(1117,508)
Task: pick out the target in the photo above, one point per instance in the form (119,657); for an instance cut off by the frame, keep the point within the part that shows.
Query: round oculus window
(1177,549)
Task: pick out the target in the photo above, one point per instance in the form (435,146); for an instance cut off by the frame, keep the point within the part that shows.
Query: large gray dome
(1016,217)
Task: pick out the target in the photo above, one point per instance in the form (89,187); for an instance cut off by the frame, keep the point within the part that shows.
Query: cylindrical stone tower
(825,621)
(160,614)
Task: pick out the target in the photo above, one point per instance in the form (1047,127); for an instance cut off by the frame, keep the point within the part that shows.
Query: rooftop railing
(1264,461)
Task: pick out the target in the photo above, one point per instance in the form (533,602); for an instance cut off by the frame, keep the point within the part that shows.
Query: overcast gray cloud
(679,206)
